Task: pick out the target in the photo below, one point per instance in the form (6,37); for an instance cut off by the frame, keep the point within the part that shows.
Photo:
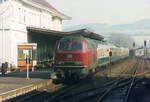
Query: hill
(138,27)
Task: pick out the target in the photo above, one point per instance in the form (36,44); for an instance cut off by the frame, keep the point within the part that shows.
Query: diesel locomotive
(77,56)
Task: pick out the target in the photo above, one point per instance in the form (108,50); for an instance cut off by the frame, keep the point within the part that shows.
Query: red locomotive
(77,56)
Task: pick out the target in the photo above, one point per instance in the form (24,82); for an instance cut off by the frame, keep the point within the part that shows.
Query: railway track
(42,94)
(121,93)
(61,92)
(84,95)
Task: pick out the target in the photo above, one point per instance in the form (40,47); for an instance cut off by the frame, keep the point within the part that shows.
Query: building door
(24,51)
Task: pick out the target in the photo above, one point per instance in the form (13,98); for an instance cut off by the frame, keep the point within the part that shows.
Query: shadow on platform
(23,74)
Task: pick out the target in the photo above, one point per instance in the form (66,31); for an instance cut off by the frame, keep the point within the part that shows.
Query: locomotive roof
(75,38)
(86,33)
(61,34)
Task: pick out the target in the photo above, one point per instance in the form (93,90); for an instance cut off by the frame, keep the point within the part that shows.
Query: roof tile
(44,3)
(47,5)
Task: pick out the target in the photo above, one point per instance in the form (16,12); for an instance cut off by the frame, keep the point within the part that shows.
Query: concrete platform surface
(16,80)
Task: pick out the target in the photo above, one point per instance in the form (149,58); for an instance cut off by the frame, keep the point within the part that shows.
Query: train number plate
(69,56)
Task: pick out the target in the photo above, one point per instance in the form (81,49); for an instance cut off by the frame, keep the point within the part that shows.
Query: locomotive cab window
(70,46)
(76,46)
(63,46)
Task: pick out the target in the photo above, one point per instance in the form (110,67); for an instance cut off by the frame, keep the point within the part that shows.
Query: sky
(111,12)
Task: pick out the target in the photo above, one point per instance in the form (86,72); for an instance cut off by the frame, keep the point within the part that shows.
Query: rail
(84,94)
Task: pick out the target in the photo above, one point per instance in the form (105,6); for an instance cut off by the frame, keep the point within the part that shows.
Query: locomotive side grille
(77,57)
(69,57)
(70,63)
(61,56)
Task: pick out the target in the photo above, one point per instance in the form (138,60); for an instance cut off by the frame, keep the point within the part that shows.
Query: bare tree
(122,40)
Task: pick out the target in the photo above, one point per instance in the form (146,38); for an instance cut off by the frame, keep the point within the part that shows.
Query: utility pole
(133,44)
(144,48)
(110,54)
(2,39)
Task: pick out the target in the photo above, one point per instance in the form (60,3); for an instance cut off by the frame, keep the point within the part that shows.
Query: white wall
(15,16)
(36,17)
(5,41)
(5,36)
(26,15)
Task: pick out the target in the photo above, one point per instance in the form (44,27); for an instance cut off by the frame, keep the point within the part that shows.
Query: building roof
(46,4)
(60,34)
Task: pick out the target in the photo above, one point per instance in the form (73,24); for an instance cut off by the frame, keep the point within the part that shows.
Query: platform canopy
(60,34)
(46,40)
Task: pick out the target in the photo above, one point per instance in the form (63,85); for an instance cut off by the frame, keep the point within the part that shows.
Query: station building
(32,27)
(17,17)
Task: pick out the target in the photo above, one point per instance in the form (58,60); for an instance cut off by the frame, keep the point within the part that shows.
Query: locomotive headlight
(78,63)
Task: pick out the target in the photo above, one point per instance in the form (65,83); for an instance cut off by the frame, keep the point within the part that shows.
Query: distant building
(16,16)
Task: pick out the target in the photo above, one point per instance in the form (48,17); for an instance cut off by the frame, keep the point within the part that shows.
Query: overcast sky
(103,11)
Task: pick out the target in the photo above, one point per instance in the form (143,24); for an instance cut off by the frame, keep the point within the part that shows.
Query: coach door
(24,51)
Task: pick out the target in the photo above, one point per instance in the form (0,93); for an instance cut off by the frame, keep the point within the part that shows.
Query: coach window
(89,46)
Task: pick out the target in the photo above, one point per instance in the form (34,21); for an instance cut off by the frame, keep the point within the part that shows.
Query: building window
(53,18)
(30,18)
(12,13)
(37,20)
(34,18)
(24,16)
(60,21)
(20,15)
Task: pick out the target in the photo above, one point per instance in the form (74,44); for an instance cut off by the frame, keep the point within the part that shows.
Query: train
(77,56)
(139,52)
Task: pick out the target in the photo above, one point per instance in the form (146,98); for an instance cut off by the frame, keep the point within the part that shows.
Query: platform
(15,84)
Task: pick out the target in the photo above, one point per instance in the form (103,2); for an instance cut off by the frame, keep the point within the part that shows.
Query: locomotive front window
(70,46)
(76,46)
(63,46)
